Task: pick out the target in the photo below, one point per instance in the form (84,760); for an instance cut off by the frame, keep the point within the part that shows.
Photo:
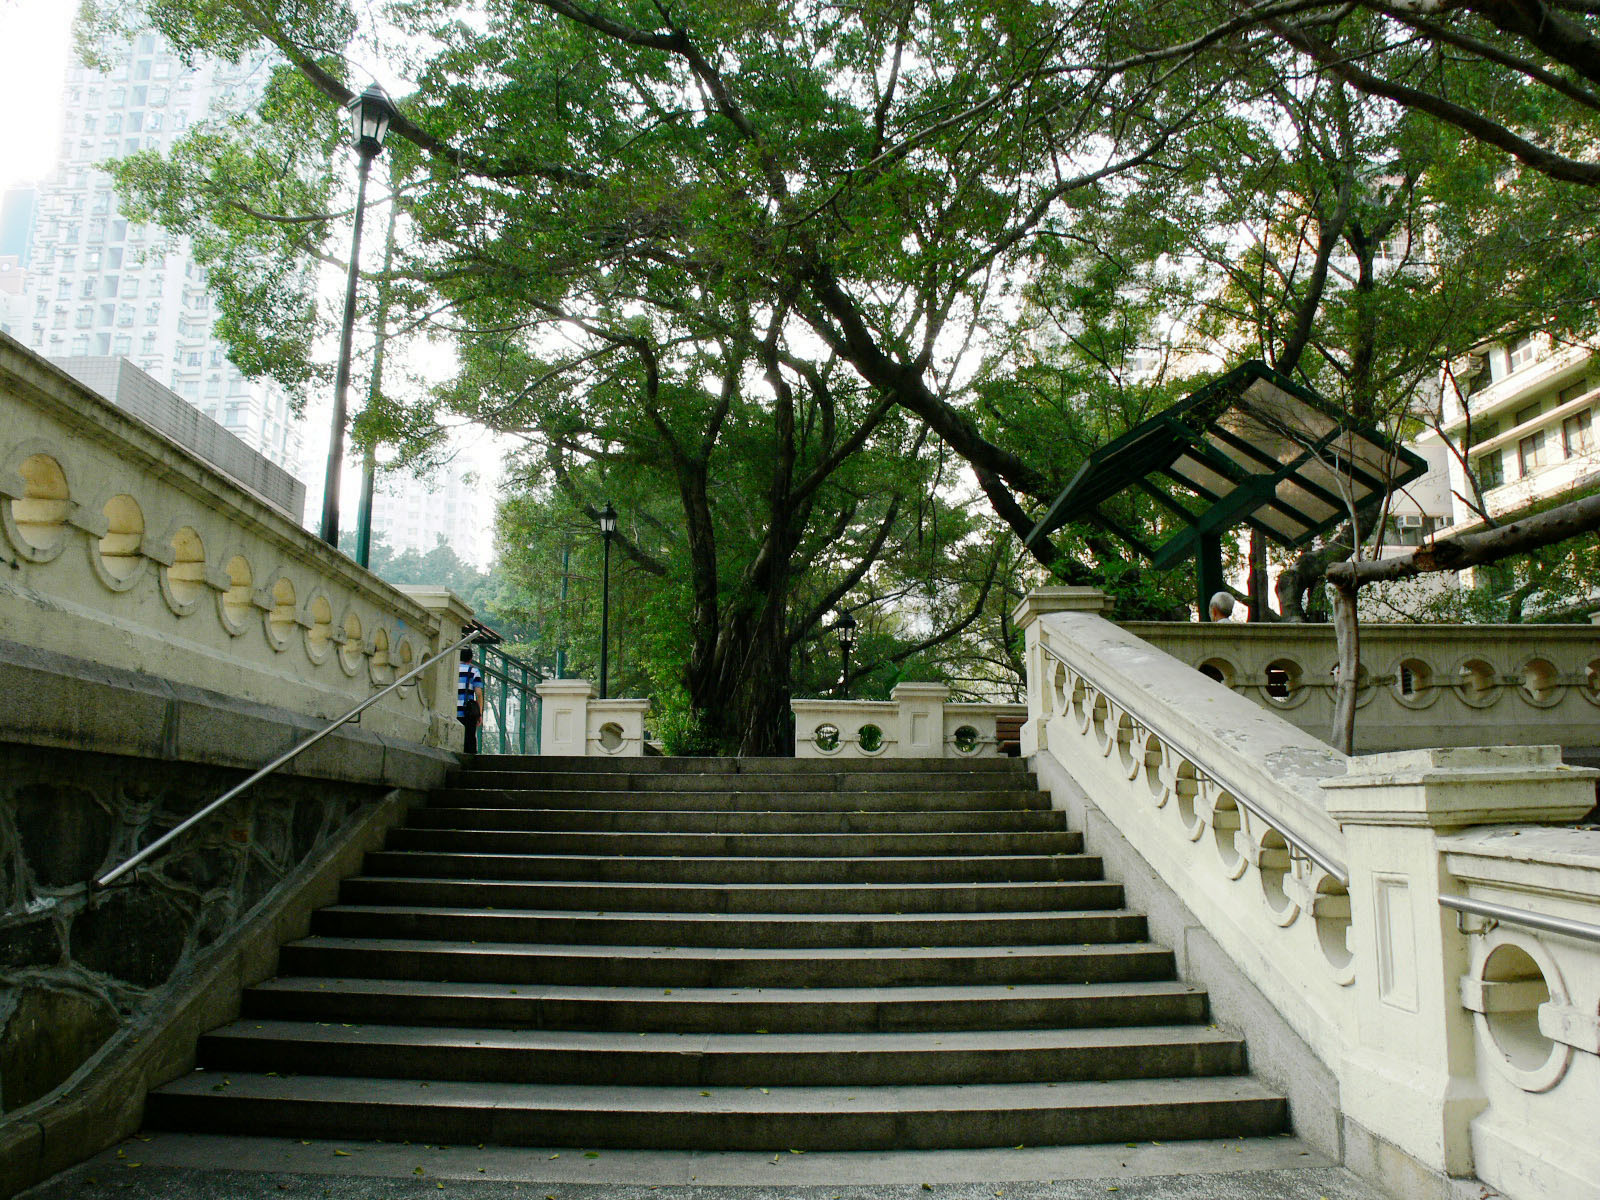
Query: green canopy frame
(1256,449)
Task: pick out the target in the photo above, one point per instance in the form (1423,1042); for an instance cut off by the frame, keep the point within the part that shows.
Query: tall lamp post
(608,530)
(370,114)
(845,627)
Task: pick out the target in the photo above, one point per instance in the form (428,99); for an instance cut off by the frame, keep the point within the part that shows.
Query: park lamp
(845,627)
(608,521)
(370,114)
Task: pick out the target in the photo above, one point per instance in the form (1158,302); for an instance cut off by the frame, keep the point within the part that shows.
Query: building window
(80,345)
(1531,453)
(1523,351)
(1573,392)
(85,289)
(1577,433)
(1524,415)
(1491,470)
(122,346)
(85,317)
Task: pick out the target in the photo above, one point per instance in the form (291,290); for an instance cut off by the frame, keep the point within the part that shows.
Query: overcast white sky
(37,38)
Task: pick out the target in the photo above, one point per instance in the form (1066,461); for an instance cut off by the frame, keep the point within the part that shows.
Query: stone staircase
(727,954)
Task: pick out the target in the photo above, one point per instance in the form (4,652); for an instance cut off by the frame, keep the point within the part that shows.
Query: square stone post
(921,719)
(1025,617)
(442,680)
(564,724)
(1412,1078)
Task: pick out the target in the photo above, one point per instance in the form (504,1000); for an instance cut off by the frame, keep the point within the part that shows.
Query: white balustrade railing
(1326,881)
(1421,685)
(121,549)
(574,724)
(918,722)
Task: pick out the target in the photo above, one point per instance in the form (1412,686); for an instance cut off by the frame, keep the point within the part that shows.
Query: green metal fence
(510,704)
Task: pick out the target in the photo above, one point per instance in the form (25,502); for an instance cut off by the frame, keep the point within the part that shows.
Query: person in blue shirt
(469,700)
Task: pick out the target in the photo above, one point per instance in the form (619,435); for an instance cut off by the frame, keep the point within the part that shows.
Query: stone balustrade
(1422,685)
(121,549)
(1309,892)
(574,723)
(919,722)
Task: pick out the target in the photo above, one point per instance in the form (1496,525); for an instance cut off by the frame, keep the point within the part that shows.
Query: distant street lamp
(845,627)
(608,530)
(370,114)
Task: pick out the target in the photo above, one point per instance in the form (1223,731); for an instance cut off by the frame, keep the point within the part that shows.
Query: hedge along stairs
(727,954)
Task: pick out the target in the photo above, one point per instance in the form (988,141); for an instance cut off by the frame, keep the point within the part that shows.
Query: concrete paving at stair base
(188,1167)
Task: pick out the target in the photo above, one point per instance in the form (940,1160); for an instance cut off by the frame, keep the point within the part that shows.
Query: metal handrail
(165,839)
(1521,916)
(1322,859)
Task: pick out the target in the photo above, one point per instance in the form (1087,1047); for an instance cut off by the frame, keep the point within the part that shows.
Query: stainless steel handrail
(1324,860)
(166,839)
(1520,916)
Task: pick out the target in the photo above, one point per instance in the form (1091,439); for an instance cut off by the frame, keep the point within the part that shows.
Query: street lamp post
(845,627)
(608,530)
(370,114)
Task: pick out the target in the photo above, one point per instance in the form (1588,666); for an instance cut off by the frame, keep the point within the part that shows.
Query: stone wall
(78,964)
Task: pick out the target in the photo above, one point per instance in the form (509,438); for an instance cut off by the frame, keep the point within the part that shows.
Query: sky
(37,37)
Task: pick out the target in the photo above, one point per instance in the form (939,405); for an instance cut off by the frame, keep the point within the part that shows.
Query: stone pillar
(921,719)
(616,728)
(1412,1077)
(564,726)
(441,680)
(1025,616)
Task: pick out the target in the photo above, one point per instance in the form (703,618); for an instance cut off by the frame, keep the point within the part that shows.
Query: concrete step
(801,1118)
(953,1058)
(771,783)
(721,967)
(647,845)
(753,930)
(466,794)
(731,898)
(630,820)
(712,1010)
(688,765)
(608,868)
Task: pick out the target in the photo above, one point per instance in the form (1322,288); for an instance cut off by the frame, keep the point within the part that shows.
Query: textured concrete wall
(76,964)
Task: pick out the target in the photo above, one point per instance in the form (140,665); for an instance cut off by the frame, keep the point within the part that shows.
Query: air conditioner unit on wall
(1409,521)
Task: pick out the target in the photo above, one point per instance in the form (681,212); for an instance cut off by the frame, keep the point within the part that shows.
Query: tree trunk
(1346,630)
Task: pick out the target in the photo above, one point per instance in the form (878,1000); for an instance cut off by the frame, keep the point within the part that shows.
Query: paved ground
(191,1167)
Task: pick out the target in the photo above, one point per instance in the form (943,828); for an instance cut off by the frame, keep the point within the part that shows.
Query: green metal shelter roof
(1252,447)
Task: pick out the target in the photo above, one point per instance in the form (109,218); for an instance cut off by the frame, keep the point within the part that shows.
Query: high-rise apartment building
(98,284)
(417,514)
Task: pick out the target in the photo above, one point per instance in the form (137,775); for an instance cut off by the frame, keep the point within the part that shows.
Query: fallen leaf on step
(341,1154)
(591,1154)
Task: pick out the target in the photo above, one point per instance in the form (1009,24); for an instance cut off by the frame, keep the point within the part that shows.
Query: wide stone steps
(988,798)
(842,898)
(794,931)
(723,955)
(724,967)
(675,1118)
(743,870)
(546,820)
(641,845)
(955,1058)
(717,1010)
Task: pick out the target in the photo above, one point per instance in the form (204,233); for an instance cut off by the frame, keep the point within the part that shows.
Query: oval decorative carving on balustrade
(1477,682)
(869,739)
(1186,793)
(1591,682)
(280,619)
(35,517)
(183,581)
(1058,687)
(235,603)
(318,623)
(379,667)
(1284,683)
(1541,682)
(826,738)
(1274,863)
(1219,669)
(1413,683)
(118,556)
(354,647)
(1226,821)
(1155,769)
(1513,977)
(966,739)
(1330,915)
(1129,749)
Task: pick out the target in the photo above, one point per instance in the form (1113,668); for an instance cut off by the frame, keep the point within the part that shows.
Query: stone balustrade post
(564,724)
(1025,616)
(1411,1073)
(616,728)
(920,717)
(442,680)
